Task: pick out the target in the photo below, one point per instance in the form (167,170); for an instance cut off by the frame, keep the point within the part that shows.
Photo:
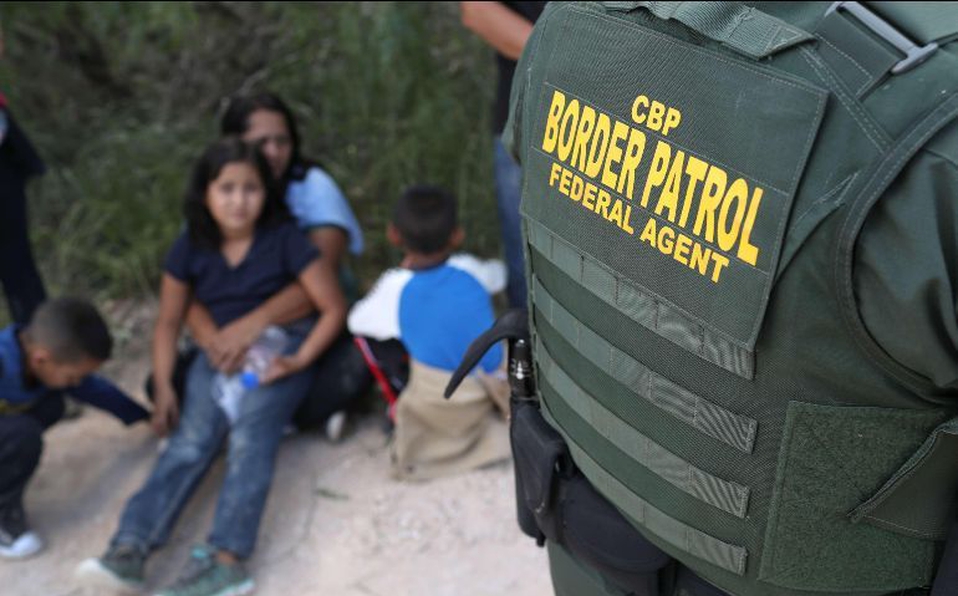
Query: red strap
(388,394)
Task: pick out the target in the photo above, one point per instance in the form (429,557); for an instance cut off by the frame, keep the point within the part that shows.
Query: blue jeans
(253,441)
(508,195)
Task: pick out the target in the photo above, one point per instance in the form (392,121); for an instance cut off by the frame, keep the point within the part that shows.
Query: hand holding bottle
(229,390)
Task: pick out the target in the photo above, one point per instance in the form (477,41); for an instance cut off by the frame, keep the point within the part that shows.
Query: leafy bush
(121,97)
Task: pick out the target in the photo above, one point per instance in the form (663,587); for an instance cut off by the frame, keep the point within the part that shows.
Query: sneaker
(120,569)
(205,576)
(17,541)
(335,426)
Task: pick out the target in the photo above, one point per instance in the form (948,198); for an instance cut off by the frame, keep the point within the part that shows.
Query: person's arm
(174,300)
(203,330)
(332,242)
(101,393)
(320,283)
(490,274)
(227,347)
(505,30)
(377,314)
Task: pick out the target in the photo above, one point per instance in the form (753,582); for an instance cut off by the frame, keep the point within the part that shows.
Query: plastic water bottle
(228,390)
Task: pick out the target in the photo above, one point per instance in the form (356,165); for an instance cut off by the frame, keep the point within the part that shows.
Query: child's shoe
(120,569)
(205,576)
(336,426)
(17,541)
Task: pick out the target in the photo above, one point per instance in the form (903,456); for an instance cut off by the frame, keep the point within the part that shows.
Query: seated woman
(321,210)
(239,250)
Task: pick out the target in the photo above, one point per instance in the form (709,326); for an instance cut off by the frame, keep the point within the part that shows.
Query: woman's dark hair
(201,226)
(235,121)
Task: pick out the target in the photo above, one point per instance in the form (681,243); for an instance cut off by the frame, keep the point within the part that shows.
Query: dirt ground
(335,523)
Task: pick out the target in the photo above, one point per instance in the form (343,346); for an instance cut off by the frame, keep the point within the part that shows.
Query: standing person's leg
(508,195)
(151,513)
(21,443)
(18,272)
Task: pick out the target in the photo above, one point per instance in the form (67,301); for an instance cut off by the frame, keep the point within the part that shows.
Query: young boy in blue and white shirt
(436,304)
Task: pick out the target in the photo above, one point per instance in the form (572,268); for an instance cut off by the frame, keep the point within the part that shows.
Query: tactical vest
(695,178)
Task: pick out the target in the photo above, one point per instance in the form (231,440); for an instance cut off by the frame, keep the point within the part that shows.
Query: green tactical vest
(695,179)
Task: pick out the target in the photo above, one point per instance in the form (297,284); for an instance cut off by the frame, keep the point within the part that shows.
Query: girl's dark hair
(201,226)
(235,121)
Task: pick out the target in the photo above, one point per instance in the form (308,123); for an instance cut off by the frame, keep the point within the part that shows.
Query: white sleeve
(377,314)
(490,274)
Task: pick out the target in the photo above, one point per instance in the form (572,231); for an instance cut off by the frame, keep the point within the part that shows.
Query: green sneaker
(120,569)
(205,576)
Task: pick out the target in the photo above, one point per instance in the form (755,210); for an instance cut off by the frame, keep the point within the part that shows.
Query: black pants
(18,273)
(21,443)
(341,379)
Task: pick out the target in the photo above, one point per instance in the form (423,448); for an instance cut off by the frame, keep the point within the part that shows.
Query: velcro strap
(924,22)
(928,478)
(742,28)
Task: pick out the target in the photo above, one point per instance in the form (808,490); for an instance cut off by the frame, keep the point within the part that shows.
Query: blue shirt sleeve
(178,259)
(298,251)
(100,393)
(317,201)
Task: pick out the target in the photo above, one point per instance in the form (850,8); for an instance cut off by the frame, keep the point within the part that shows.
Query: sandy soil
(335,524)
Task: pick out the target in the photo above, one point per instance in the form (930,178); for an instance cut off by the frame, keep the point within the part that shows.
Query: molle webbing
(732,429)
(680,535)
(723,494)
(651,312)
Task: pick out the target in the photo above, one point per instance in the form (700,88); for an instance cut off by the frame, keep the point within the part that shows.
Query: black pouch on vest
(555,501)
(539,453)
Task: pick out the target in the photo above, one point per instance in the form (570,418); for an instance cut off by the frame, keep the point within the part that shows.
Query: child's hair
(71,329)
(235,121)
(426,218)
(203,229)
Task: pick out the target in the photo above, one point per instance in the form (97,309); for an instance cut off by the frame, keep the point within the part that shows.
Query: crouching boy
(64,342)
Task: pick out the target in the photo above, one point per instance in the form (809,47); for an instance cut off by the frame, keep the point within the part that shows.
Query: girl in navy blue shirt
(322,211)
(240,248)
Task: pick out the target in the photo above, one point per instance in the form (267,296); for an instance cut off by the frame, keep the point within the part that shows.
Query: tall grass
(121,97)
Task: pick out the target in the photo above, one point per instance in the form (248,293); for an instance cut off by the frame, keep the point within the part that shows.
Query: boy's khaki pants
(437,437)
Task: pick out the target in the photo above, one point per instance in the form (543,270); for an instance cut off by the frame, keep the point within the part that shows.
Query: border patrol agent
(741,227)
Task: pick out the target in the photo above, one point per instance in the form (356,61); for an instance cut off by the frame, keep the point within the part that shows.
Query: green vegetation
(120,98)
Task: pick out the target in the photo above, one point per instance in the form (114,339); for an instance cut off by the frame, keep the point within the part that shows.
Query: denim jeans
(508,195)
(251,454)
